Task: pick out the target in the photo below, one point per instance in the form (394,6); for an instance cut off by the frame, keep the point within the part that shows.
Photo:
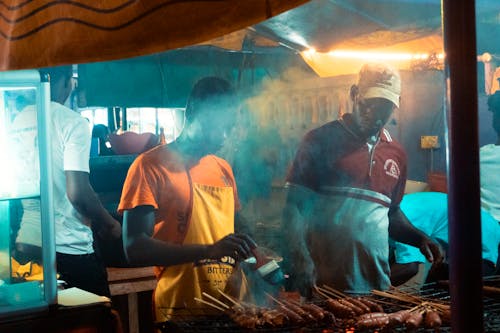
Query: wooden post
(459,26)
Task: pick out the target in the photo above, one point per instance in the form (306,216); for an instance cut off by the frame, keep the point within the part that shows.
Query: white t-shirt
(490,179)
(70,144)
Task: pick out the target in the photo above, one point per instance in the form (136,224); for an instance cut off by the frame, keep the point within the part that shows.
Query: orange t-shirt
(159,178)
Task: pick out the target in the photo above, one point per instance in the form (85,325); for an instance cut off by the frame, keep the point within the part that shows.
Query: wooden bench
(130,282)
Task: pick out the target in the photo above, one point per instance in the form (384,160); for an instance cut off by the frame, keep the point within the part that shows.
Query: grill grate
(224,323)
(492,306)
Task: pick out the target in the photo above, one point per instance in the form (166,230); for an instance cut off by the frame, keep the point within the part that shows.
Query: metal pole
(459,27)
(47,193)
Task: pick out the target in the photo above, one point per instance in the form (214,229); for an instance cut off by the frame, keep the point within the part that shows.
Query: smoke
(271,122)
(267,133)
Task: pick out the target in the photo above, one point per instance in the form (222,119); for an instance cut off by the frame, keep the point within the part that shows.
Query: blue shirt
(428,212)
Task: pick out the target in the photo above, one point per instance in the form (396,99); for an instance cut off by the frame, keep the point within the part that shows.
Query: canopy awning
(44,33)
(48,32)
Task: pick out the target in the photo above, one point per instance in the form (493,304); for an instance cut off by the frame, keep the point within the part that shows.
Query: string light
(380,55)
(367,55)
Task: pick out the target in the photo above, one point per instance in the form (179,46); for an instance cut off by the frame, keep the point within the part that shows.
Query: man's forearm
(401,230)
(83,198)
(146,251)
(91,208)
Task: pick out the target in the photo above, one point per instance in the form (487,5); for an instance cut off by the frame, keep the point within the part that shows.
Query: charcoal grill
(432,291)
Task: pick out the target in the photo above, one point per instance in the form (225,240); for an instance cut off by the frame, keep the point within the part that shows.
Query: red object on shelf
(437,182)
(132,143)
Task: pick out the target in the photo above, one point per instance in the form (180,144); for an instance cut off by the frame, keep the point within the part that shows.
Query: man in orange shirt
(179,203)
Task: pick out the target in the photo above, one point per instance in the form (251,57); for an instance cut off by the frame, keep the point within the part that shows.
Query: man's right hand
(432,251)
(237,246)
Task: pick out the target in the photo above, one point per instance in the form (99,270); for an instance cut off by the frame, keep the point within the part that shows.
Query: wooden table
(90,318)
(131,281)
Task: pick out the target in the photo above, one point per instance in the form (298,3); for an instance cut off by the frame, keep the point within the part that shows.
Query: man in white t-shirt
(490,164)
(75,202)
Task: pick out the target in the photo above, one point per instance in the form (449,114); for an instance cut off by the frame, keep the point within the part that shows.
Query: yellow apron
(211,219)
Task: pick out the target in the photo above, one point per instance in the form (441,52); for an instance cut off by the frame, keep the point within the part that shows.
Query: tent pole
(459,27)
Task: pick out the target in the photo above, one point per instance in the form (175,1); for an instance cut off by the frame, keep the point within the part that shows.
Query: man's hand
(432,251)
(237,246)
(110,231)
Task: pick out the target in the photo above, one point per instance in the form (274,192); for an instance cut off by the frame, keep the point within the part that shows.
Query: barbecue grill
(433,291)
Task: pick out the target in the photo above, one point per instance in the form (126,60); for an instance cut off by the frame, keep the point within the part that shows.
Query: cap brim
(378,92)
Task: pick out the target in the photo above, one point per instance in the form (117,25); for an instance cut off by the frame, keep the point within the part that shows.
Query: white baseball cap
(377,80)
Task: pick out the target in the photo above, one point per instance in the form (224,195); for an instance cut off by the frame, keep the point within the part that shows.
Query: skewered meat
(374,307)
(445,316)
(398,318)
(300,311)
(292,316)
(372,315)
(372,320)
(338,309)
(357,302)
(432,319)
(415,320)
(244,320)
(329,318)
(357,310)
(274,318)
(251,316)
(317,312)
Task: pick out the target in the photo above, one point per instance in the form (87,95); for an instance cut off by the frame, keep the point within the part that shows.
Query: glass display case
(27,284)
